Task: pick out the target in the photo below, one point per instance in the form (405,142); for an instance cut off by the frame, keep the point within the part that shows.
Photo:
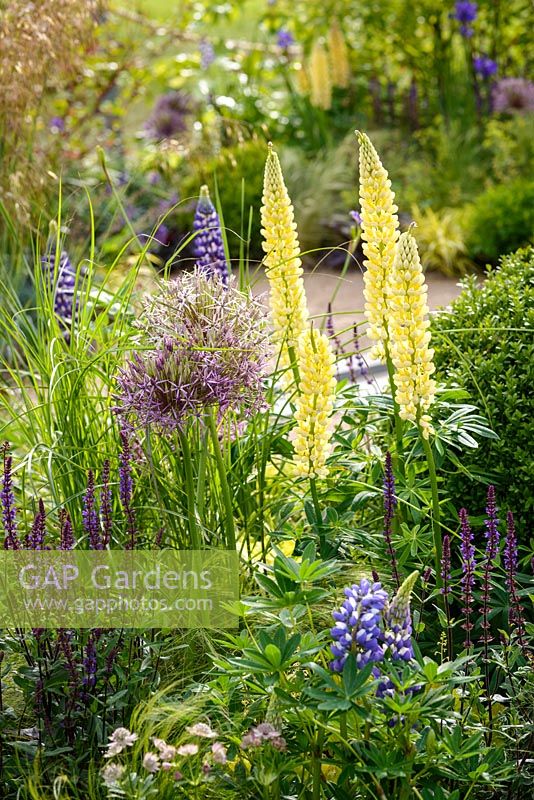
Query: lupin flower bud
(379,236)
(314,404)
(282,260)
(398,622)
(321,84)
(410,338)
(339,56)
(208,243)
(358,625)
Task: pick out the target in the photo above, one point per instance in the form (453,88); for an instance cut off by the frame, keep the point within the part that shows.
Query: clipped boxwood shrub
(484,342)
(500,220)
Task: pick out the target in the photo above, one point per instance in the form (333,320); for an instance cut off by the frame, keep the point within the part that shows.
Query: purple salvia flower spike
(126,489)
(67,541)
(90,664)
(208,244)
(516,618)
(446,565)
(7,498)
(468,575)
(91,523)
(390,504)
(492,548)
(35,539)
(106,505)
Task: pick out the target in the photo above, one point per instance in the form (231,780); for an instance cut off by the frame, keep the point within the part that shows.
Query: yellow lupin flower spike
(282,261)
(379,235)
(410,338)
(321,84)
(339,56)
(312,436)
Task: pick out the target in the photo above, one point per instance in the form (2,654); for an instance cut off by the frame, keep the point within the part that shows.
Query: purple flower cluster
(513,96)
(91,522)
(468,574)
(7,499)
(356,217)
(446,565)
(126,488)
(358,625)
(465,13)
(207,53)
(484,66)
(169,116)
(492,548)
(204,348)
(515,613)
(35,538)
(285,39)
(208,243)
(63,282)
(261,734)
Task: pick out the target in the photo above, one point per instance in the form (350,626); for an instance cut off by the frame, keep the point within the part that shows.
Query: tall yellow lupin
(282,260)
(312,436)
(410,338)
(339,56)
(379,234)
(320,80)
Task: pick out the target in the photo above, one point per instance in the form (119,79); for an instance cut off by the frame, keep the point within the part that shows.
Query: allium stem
(436,511)
(225,488)
(189,490)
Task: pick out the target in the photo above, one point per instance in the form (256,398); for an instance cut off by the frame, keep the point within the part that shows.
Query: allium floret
(202,348)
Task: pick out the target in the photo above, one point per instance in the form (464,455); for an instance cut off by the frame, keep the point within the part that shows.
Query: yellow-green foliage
(441,240)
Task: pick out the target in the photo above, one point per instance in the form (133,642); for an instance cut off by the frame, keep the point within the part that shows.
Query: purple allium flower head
(35,538)
(106,505)
(513,96)
(398,622)
(515,609)
(169,116)
(468,574)
(126,488)
(67,541)
(204,348)
(208,243)
(7,498)
(357,629)
(390,504)
(91,522)
(465,12)
(285,39)
(207,53)
(63,282)
(484,66)
(446,565)
(356,217)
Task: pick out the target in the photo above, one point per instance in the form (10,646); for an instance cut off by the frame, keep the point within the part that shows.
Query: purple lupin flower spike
(90,515)
(63,282)
(106,505)
(357,629)
(208,244)
(67,541)
(35,539)
(398,622)
(7,498)
(492,547)
(126,488)
(468,574)
(515,611)
(390,504)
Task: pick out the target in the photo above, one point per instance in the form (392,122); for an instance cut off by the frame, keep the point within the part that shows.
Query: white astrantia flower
(112,773)
(151,762)
(119,740)
(203,730)
(166,751)
(188,749)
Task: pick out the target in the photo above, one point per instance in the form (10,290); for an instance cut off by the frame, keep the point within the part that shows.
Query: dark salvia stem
(446,589)
(362,366)
(492,547)
(89,665)
(126,489)
(468,575)
(7,498)
(516,619)
(331,333)
(35,539)
(106,505)
(390,504)
(67,541)
(90,516)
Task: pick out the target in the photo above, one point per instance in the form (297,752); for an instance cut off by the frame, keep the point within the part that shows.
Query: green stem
(396,415)
(190,491)
(225,488)
(316,766)
(436,524)
(201,478)
(318,517)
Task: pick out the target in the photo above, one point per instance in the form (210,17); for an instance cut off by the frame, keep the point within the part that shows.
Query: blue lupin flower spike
(208,243)
(357,629)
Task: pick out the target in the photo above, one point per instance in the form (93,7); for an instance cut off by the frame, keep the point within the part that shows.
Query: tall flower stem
(318,517)
(396,415)
(225,488)
(436,522)
(190,491)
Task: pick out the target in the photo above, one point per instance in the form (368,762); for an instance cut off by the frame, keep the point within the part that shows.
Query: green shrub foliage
(501,220)
(484,343)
